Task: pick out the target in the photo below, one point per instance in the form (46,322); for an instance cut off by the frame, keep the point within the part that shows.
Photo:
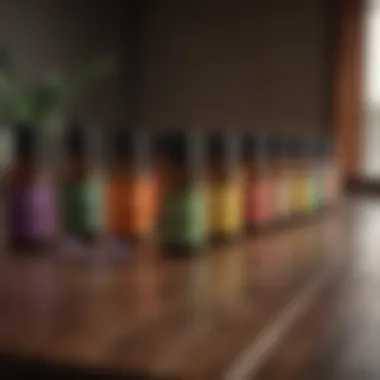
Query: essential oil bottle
(82,188)
(305,183)
(282,178)
(30,195)
(324,179)
(314,175)
(259,197)
(132,186)
(225,186)
(331,174)
(300,183)
(182,223)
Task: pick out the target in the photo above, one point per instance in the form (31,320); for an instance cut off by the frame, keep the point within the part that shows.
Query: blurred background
(288,302)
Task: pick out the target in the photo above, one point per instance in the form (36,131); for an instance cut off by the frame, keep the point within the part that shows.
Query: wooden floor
(226,315)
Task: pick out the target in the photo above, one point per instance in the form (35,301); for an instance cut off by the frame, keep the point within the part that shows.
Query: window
(371,133)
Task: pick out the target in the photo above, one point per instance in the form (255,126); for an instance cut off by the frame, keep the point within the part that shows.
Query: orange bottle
(132,186)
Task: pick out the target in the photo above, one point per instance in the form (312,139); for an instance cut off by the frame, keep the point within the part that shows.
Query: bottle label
(224,208)
(260,201)
(132,205)
(331,184)
(82,205)
(183,215)
(31,210)
(282,195)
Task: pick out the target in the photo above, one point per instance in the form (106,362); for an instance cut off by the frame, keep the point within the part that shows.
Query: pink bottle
(259,191)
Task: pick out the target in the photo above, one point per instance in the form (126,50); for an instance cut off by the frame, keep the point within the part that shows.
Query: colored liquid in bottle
(82,206)
(259,197)
(282,196)
(280,183)
(225,187)
(183,218)
(31,203)
(225,208)
(300,197)
(183,193)
(286,182)
(315,190)
(82,192)
(316,179)
(131,206)
(132,188)
(331,175)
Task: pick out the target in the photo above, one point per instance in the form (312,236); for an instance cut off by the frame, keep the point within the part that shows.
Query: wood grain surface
(159,318)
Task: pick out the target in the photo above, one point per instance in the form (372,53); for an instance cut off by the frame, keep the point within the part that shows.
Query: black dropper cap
(288,146)
(275,146)
(26,141)
(327,146)
(314,149)
(185,148)
(255,145)
(224,148)
(294,147)
(307,146)
(75,140)
(130,144)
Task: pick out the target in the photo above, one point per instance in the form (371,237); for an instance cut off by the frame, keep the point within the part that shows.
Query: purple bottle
(30,212)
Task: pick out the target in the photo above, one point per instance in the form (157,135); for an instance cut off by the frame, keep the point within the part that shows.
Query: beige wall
(255,63)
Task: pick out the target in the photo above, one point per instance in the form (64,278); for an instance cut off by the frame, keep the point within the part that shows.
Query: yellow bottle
(225,187)
(225,211)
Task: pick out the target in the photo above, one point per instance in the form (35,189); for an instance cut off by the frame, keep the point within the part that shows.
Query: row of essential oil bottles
(183,187)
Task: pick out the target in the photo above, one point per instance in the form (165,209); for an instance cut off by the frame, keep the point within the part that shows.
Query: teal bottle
(182,222)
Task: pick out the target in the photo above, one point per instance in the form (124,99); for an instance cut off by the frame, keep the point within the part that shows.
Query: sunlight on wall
(371,139)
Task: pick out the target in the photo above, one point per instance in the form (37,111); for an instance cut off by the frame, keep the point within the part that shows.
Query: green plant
(44,104)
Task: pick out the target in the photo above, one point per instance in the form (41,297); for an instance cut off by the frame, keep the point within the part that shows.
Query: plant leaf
(86,74)
(8,82)
(43,104)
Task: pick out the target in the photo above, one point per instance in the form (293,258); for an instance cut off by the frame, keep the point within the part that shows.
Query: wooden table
(153,317)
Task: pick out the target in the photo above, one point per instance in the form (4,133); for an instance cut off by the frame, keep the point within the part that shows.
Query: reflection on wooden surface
(149,315)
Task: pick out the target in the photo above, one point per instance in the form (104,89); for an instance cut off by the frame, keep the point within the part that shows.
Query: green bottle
(82,189)
(183,209)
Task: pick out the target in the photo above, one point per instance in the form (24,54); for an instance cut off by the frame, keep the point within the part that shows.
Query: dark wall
(255,63)
(45,34)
